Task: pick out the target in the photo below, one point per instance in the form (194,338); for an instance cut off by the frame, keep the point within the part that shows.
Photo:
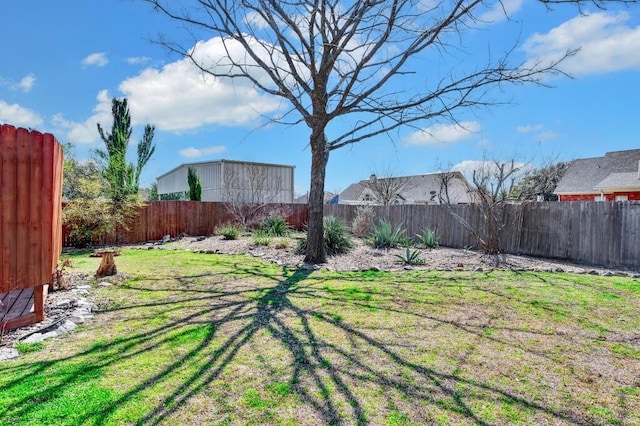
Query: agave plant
(410,257)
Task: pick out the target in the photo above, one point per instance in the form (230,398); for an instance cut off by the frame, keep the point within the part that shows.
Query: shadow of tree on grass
(340,371)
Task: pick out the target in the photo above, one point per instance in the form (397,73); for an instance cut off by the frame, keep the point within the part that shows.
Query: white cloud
(136,60)
(201,152)
(530,128)
(17,115)
(442,133)
(25,84)
(87,132)
(547,136)
(605,40)
(501,10)
(253,19)
(98,59)
(488,168)
(180,97)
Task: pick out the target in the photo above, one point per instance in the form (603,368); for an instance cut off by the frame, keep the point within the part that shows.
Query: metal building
(233,181)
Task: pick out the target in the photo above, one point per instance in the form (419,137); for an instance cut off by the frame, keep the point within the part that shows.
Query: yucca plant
(410,257)
(429,238)
(385,236)
(336,237)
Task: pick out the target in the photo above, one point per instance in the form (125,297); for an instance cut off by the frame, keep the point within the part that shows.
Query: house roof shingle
(587,175)
(418,188)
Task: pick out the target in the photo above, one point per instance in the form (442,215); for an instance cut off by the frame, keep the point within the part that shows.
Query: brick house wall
(631,196)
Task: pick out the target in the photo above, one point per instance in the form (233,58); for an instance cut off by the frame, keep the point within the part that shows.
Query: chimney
(373,177)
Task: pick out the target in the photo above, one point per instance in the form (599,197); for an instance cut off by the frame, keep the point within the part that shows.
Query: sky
(62,62)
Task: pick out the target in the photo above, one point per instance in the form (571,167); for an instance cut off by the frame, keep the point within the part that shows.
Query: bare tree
(336,62)
(249,192)
(540,183)
(388,189)
(492,182)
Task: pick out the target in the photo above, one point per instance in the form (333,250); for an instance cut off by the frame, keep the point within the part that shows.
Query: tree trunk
(316,252)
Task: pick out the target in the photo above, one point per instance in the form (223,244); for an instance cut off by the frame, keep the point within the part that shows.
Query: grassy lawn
(213,339)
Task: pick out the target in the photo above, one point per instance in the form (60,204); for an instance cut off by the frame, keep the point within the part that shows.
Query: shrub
(275,225)
(428,238)
(336,237)
(363,222)
(229,231)
(89,220)
(384,235)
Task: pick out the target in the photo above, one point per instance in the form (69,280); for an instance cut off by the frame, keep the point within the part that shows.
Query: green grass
(211,339)
(26,347)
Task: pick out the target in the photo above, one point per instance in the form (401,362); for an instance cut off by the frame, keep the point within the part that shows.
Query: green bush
(429,238)
(88,221)
(275,225)
(385,236)
(229,231)
(336,237)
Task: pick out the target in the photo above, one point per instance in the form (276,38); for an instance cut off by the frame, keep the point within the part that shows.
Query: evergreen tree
(123,177)
(195,187)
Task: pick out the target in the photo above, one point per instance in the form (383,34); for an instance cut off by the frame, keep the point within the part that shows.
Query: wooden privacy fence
(602,233)
(159,218)
(598,233)
(30,220)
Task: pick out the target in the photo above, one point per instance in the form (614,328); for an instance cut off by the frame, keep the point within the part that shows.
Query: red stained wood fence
(159,218)
(31,166)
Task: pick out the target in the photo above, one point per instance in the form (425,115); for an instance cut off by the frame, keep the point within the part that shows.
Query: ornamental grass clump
(229,231)
(262,238)
(363,222)
(275,225)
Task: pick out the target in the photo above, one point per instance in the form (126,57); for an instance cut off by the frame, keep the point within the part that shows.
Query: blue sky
(63,61)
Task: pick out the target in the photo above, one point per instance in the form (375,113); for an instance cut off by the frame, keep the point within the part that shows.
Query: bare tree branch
(333,60)
(249,192)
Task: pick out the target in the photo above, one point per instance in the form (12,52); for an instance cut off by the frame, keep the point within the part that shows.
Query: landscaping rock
(34,338)
(8,353)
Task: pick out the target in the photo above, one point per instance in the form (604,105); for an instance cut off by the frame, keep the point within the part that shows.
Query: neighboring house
(418,189)
(614,177)
(233,181)
(304,199)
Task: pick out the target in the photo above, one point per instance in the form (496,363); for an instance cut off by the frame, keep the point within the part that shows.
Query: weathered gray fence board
(599,233)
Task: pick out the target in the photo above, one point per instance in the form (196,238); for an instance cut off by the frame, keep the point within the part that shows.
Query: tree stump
(107,265)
